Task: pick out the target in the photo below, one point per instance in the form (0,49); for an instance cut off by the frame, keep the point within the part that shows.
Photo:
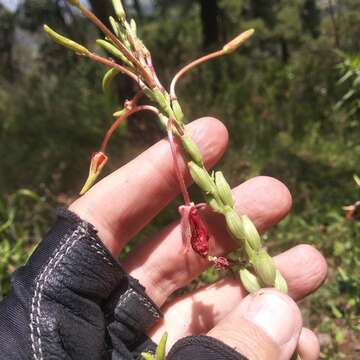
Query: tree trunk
(210,22)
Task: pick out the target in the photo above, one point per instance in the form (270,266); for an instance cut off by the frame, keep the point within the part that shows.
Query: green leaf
(161,348)
(106,82)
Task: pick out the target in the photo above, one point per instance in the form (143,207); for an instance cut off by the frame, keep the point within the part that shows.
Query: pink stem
(174,153)
(122,118)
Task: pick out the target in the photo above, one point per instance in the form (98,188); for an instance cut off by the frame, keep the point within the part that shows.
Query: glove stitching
(42,278)
(100,251)
(143,300)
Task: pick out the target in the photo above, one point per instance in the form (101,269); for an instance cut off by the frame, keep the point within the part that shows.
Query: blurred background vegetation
(290,99)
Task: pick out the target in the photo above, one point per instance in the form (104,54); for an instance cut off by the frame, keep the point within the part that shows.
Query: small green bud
(232,45)
(109,75)
(234,223)
(357,180)
(223,189)
(133,27)
(115,26)
(62,40)
(177,111)
(161,348)
(147,356)
(280,283)
(119,9)
(119,113)
(250,233)
(192,150)
(249,281)
(201,177)
(265,267)
(214,204)
(113,50)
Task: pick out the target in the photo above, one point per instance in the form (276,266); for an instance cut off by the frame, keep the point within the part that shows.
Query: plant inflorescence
(131,57)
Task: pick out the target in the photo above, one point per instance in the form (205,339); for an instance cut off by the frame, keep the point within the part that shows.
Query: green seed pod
(113,50)
(177,111)
(161,99)
(109,75)
(62,40)
(147,356)
(119,9)
(115,26)
(201,177)
(161,348)
(234,223)
(192,150)
(249,280)
(223,189)
(265,267)
(280,283)
(250,233)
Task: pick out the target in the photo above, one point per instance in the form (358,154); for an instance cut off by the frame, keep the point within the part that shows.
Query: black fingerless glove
(72,300)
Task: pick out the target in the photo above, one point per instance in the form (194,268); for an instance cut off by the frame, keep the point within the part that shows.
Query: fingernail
(273,312)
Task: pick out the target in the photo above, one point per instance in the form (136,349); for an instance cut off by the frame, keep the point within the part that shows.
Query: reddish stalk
(92,17)
(113,64)
(122,118)
(188,67)
(174,153)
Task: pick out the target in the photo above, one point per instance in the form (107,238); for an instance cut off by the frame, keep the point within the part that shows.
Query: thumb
(266,325)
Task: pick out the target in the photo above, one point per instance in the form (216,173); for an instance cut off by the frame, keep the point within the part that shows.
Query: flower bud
(201,177)
(147,356)
(119,9)
(234,223)
(62,40)
(177,111)
(192,150)
(109,75)
(115,26)
(250,233)
(280,282)
(119,113)
(265,267)
(98,160)
(249,281)
(161,348)
(113,50)
(133,27)
(232,45)
(214,204)
(223,189)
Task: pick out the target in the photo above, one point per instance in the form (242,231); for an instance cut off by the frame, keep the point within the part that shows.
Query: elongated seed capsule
(177,111)
(223,189)
(234,223)
(113,50)
(115,26)
(265,267)
(161,348)
(159,96)
(250,233)
(280,283)
(192,150)
(109,75)
(232,45)
(119,9)
(201,177)
(147,356)
(249,280)
(62,40)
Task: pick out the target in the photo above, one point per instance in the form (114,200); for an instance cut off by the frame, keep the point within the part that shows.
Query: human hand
(124,202)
